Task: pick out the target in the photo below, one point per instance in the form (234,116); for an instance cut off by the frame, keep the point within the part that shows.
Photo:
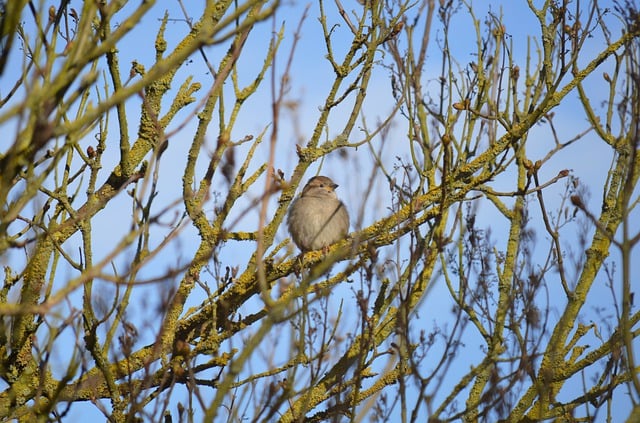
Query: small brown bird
(317,218)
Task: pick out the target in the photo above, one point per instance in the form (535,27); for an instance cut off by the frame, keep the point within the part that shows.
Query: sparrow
(317,218)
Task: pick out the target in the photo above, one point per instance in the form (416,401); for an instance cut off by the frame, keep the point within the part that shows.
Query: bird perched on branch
(317,218)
